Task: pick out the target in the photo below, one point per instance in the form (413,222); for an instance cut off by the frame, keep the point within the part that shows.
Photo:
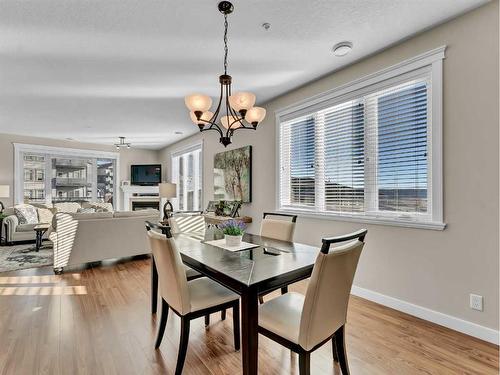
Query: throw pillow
(106,206)
(45,215)
(26,214)
(86,210)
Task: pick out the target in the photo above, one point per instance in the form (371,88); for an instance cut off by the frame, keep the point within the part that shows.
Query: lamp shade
(4,191)
(206,116)
(198,102)
(168,190)
(242,100)
(226,121)
(255,115)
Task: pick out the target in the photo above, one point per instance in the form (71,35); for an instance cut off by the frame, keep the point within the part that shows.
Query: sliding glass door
(49,177)
(186,173)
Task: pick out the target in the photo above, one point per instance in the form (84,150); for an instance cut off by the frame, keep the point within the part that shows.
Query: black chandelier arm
(216,128)
(216,112)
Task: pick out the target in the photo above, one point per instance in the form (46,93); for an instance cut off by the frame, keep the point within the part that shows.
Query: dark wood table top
(264,267)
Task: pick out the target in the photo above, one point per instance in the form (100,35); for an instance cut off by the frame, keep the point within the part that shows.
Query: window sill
(397,222)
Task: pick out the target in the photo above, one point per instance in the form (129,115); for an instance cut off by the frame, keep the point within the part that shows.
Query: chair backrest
(187,221)
(171,273)
(280,229)
(327,295)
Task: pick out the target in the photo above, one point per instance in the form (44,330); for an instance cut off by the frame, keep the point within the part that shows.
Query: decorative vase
(233,240)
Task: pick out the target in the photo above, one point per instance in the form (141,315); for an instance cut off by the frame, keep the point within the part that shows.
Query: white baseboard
(460,325)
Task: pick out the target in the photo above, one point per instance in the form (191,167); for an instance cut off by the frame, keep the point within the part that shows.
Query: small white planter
(233,240)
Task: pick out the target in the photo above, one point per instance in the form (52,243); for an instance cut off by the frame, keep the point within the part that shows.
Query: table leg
(154,286)
(38,240)
(249,331)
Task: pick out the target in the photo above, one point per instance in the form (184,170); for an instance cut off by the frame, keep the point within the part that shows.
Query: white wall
(127,157)
(432,269)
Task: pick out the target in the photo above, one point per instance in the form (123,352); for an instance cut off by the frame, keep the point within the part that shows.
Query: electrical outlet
(476,302)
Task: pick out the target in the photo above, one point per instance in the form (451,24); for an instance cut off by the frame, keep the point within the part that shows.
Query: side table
(40,230)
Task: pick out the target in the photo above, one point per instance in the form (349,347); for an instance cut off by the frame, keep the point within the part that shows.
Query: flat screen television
(145,174)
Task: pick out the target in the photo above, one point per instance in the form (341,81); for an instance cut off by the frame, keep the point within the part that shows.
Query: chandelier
(234,111)
(122,143)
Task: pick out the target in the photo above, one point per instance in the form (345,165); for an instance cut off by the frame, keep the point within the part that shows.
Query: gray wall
(433,269)
(127,157)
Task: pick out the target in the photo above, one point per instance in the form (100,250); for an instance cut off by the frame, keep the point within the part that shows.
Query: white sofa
(15,232)
(81,238)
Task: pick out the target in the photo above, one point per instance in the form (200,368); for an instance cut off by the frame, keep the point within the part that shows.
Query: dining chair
(191,222)
(187,221)
(189,300)
(190,273)
(282,230)
(304,323)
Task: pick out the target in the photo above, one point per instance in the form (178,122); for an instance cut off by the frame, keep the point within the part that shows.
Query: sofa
(81,238)
(15,231)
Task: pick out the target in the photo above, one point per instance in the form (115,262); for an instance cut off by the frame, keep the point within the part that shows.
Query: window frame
(196,166)
(429,64)
(49,151)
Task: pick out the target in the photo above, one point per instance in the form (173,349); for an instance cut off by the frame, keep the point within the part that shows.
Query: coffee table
(40,230)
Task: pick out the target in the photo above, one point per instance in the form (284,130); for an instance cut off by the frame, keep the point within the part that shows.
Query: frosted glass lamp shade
(198,102)
(4,191)
(205,116)
(242,100)
(255,115)
(226,121)
(167,190)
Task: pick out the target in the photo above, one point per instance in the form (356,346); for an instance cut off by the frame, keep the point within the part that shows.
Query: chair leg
(207,320)
(334,350)
(284,290)
(304,363)
(163,323)
(261,300)
(236,325)
(223,315)
(183,345)
(341,352)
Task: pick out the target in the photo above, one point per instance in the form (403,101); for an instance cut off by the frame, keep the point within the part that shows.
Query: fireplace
(142,205)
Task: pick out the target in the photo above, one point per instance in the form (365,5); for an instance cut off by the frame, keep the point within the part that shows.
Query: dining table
(270,265)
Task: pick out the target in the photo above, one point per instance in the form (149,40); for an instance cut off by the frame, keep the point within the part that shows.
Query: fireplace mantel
(138,193)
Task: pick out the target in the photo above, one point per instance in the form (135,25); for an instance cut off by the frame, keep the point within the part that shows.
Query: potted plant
(233,232)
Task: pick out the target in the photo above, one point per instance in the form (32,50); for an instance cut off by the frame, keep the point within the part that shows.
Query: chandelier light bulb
(255,115)
(242,101)
(198,102)
(226,121)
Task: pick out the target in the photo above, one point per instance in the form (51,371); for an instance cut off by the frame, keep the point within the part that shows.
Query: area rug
(19,257)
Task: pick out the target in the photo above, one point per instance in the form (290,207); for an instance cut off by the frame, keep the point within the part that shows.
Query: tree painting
(233,174)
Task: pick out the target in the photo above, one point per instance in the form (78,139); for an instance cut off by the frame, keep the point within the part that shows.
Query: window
(49,174)
(187,174)
(364,152)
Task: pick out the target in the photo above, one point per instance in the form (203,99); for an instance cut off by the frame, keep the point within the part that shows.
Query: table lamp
(168,191)
(4,193)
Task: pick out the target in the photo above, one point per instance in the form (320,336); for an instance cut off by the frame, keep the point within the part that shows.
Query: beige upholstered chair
(282,230)
(191,222)
(187,222)
(304,323)
(189,300)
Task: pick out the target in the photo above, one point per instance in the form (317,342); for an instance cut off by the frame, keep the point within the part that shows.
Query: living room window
(187,166)
(50,174)
(369,151)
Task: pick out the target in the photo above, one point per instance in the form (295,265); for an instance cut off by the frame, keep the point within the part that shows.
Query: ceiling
(95,70)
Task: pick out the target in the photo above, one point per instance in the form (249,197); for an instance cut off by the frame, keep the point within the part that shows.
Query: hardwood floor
(98,321)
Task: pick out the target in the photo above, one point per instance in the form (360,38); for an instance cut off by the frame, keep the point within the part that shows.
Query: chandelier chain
(225,43)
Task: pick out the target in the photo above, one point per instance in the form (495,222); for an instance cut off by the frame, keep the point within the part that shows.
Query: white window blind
(365,156)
